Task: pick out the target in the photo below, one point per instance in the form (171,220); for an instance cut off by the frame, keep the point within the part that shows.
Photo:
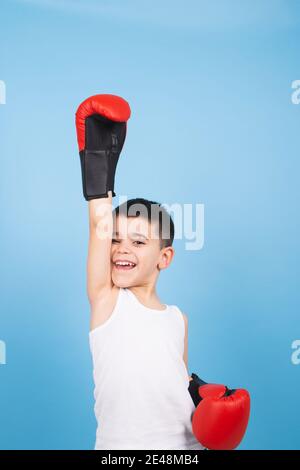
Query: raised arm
(101,123)
(99,249)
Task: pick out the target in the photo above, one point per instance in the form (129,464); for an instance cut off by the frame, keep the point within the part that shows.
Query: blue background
(209,84)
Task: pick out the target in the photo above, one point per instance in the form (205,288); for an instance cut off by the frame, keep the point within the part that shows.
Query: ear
(166,256)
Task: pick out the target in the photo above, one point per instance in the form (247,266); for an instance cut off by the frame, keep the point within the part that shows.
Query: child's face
(133,241)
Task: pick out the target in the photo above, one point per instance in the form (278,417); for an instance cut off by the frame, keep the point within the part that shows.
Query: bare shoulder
(103,306)
(185,318)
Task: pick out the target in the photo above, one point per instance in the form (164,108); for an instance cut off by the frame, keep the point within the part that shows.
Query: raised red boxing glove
(220,419)
(101,124)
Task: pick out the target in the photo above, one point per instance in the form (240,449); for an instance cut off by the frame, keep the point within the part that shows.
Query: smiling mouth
(124,266)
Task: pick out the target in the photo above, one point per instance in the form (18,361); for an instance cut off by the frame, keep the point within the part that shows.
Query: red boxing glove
(101,131)
(220,419)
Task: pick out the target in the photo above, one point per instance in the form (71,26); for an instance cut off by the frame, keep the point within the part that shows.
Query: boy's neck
(147,295)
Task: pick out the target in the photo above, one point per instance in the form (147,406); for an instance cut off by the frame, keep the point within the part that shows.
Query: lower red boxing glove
(220,419)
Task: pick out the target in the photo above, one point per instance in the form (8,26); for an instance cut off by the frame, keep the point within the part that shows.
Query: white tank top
(141,381)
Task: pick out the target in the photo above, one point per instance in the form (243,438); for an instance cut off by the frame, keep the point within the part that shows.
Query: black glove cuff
(98,172)
(194,385)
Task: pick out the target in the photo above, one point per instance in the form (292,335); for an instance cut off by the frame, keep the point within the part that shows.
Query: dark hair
(154,212)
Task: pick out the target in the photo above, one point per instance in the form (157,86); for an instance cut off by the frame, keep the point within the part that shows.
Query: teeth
(124,263)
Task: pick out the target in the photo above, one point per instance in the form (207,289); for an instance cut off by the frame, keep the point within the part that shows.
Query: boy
(138,345)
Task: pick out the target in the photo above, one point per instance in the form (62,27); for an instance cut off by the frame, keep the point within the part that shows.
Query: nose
(123,247)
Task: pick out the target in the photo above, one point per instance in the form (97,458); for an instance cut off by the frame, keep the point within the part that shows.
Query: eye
(138,242)
(114,240)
